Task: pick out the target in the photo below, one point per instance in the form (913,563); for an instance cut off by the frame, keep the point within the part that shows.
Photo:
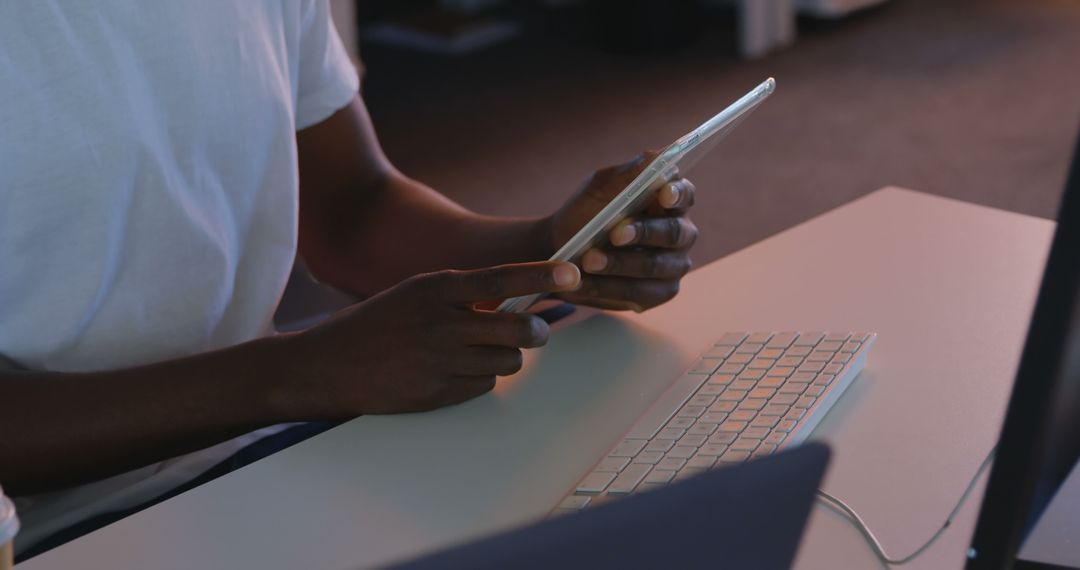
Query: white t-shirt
(149,190)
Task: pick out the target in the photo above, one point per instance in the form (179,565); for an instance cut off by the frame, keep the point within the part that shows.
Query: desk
(948,286)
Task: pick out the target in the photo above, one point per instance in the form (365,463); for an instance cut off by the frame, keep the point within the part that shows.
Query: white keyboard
(748,396)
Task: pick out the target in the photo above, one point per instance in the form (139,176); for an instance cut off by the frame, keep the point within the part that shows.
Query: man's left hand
(639,264)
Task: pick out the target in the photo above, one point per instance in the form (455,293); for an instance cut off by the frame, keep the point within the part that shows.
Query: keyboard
(749,395)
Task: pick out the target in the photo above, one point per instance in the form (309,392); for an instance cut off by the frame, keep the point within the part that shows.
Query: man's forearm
(399,228)
(62,429)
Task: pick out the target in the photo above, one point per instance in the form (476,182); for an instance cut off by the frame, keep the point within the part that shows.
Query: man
(160,168)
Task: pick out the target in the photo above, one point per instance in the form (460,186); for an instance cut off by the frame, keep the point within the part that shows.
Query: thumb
(505,281)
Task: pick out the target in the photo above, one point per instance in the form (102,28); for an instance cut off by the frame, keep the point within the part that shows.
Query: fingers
(502,282)
(677,194)
(669,232)
(647,264)
(486,361)
(622,293)
(514,330)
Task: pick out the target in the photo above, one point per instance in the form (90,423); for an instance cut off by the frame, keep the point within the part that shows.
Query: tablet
(679,156)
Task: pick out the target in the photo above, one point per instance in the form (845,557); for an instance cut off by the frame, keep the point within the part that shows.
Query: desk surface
(948,287)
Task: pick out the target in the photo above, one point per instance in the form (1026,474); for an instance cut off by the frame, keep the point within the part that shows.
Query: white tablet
(679,156)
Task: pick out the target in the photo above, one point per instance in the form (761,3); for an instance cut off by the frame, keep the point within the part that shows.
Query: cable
(842,508)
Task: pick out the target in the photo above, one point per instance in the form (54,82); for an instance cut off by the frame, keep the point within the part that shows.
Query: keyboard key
(771,382)
(841,358)
(671,463)
(804,402)
(595,482)
(824,379)
(681,451)
(774,409)
(815,391)
(837,337)
(661,445)
(809,339)
(710,390)
(742,415)
(732,395)
(790,361)
(720,352)
(680,423)
(691,411)
(820,356)
(703,428)
(775,438)
(790,387)
(659,476)
(751,374)
(785,426)
(612,464)
(760,337)
(720,379)
(743,384)
(749,348)
(752,404)
(860,336)
(772,353)
(722,407)
(628,447)
(703,400)
(731,339)
(731,426)
(781,371)
(701,462)
(763,450)
(800,351)
(649,457)
(813,367)
(745,444)
(802,377)
(832,368)
(830,345)
(786,399)
(755,432)
(795,414)
(671,433)
(722,438)
(711,417)
(850,346)
(766,421)
(730,368)
(629,479)
(574,503)
(743,359)
(687,473)
(706,366)
(692,440)
(713,449)
(782,340)
(733,456)
(759,362)
(761,393)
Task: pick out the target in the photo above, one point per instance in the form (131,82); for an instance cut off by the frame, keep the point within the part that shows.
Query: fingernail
(673,195)
(566,274)
(594,261)
(624,235)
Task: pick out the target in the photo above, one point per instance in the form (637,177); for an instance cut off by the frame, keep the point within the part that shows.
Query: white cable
(842,508)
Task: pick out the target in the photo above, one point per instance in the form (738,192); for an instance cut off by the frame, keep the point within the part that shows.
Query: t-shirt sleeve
(327,78)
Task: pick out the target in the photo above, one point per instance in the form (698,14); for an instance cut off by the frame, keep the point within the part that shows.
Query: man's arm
(364,226)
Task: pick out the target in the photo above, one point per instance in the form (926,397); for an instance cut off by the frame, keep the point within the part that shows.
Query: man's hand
(640,264)
(419,345)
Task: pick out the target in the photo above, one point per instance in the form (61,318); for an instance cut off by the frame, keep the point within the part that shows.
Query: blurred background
(507,105)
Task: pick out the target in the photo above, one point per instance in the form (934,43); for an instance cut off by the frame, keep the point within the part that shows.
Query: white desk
(948,286)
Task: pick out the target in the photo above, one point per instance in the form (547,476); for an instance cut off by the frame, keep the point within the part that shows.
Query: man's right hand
(417,346)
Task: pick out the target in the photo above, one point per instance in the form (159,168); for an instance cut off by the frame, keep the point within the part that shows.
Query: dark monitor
(1040,441)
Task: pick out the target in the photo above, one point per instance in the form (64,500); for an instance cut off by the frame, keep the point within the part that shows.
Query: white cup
(9,526)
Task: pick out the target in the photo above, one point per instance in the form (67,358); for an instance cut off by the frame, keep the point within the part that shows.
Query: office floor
(973,99)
